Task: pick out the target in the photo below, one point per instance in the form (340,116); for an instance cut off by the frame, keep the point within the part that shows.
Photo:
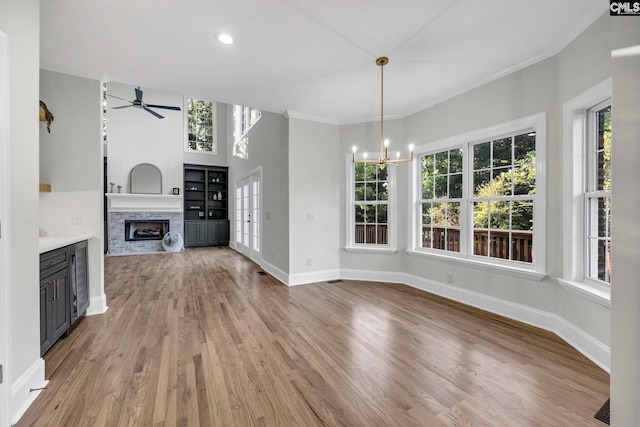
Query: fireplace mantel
(127,202)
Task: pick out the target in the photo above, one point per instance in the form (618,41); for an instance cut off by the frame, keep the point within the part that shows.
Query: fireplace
(135,230)
(138,222)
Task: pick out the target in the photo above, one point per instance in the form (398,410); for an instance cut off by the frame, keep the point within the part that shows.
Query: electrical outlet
(76,219)
(449,277)
(311,216)
(309,261)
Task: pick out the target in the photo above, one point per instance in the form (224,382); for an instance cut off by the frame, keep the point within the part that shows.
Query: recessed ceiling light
(224,38)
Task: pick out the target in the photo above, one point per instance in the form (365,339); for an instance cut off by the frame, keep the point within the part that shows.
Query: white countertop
(49,243)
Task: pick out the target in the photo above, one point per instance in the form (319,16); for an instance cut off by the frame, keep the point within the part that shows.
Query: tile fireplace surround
(140,207)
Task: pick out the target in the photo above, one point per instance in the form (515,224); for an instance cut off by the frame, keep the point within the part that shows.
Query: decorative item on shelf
(119,188)
(383,158)
(176,191)
(201,214)
(219,195)
(215,197)
(112,184)
(46,115)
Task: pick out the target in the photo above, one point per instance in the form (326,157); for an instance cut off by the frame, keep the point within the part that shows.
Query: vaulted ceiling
(314,57)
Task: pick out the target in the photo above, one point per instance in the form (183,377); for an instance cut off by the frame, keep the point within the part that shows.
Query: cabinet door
(212,232)
(46,335)
(218,232)
(190,233)
(223,233)
(60,313)
(201,238)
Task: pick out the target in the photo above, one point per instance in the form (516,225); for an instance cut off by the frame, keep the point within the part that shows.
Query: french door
(249,215)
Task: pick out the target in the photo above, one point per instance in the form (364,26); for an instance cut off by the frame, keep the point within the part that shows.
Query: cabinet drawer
(53,261)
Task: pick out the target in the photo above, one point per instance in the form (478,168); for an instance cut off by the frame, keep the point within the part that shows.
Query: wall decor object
(46,115)
(145,178)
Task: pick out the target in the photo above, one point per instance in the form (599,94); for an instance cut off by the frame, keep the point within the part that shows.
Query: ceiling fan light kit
(383,158)
(139,104)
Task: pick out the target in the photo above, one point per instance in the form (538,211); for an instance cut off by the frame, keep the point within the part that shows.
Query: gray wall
(71,161)
(69,155)
(314,189)
(540,88)
(268,148)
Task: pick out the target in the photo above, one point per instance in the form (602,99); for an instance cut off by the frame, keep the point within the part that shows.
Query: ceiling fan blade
(122,106)
(166,107)
(117,97)
(138,94)
(153,112)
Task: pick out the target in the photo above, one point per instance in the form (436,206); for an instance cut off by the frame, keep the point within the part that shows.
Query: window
(504,187)
(370,207)
(598,193)
(586,198)
(478,197)
(244,118)
(441,197)
(371,203)
(200,126)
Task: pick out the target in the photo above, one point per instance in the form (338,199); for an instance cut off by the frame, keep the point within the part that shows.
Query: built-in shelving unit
(206,211)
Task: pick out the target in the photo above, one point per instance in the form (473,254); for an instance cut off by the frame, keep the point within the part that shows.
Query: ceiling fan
(147,107)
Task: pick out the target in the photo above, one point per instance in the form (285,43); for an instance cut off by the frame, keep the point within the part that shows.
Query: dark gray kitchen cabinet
(218,232)
(54,297)
(64,291)
(195,233)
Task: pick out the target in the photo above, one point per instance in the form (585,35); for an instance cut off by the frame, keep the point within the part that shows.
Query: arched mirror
(146,179)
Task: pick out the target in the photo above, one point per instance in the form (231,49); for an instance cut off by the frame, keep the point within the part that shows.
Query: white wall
(135,136)
(19,19)
(314,191)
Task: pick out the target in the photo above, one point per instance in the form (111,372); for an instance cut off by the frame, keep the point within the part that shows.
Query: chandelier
(383,158)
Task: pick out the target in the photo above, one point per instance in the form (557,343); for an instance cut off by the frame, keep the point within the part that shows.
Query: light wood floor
(201,339)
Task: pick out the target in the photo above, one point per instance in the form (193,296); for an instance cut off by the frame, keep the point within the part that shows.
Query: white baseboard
(97,305)
(590,347)
(22,395)
(275,272)
(313,277)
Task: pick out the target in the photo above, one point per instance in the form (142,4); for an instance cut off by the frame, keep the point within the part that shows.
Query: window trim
(392,214)
(537,269)
(574,180)
(214,125)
